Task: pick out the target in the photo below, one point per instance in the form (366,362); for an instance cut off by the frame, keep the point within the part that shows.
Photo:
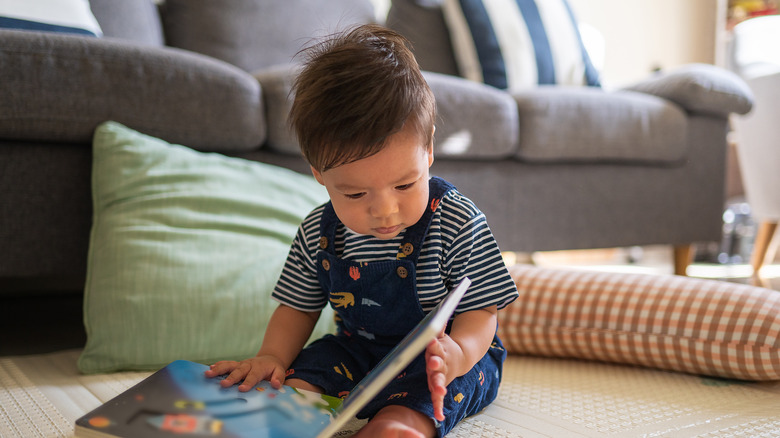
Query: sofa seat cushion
(59,87)
(475,121)
(585,124)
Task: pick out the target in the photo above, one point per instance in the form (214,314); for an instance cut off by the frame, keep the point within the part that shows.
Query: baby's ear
(317,175)
(430,146)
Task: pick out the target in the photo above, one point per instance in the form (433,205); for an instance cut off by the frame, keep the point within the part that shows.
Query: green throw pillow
(184,252)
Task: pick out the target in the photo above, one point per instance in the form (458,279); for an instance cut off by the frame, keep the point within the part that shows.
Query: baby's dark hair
(355,90)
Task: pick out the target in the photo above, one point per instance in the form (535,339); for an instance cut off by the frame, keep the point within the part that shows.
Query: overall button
(325,264)
(402,272)
(323,242)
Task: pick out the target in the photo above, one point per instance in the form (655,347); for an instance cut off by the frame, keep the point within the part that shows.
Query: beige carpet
(42,395)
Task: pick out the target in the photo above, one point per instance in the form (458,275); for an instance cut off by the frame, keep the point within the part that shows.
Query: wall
(641,35)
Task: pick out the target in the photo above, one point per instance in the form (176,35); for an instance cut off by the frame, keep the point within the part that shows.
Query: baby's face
(385,193)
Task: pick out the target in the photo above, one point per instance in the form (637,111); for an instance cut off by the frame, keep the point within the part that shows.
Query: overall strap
(415,235)
(328,223)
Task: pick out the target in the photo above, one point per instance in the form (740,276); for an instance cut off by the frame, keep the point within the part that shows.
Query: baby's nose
(384,206)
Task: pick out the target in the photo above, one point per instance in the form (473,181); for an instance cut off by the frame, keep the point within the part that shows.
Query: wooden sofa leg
(683,256)
(766,230)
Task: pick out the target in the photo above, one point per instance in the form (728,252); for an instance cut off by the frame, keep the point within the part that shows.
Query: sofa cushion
(423,23)
(516,44)
(669,322)
(134,20)
(185,249)
(257,34)
(183,97)
(67,16)
(585,124)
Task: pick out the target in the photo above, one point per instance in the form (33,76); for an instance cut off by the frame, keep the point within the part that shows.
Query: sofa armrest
(700,88)
(59,88)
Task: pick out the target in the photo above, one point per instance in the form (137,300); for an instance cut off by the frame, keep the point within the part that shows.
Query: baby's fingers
(248,372)
(437,385)
(249,382)
(220,368)
(434,348)
(257,372)
(235,371)
(437,397)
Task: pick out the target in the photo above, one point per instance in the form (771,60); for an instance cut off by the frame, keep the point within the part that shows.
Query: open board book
(180,401)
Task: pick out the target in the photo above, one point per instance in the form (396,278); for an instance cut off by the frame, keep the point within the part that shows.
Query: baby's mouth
(387,230)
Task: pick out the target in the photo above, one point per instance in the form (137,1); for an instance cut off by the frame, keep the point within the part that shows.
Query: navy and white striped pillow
(516,44)
(69,16)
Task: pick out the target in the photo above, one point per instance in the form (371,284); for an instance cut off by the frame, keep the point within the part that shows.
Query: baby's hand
(436,367)
(251,371)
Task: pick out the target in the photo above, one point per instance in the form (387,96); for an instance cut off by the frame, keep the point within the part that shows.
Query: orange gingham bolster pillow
(675,323)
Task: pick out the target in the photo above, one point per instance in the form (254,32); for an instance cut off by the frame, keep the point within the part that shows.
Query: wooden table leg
(683,256)
(766,229)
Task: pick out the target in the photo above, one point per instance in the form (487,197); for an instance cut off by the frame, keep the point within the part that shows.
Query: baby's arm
(287,333)
(453,355)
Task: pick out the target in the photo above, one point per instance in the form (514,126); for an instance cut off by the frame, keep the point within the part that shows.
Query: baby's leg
(398,421)
(302,384)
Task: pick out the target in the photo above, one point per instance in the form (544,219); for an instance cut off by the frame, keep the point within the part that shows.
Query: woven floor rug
(42,395)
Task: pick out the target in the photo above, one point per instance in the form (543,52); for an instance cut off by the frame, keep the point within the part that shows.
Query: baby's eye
(404,186)
(354,195)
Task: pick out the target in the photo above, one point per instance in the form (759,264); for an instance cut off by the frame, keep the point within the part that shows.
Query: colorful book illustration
(179,401)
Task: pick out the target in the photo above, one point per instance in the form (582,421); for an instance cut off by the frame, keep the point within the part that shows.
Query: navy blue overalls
(376,305)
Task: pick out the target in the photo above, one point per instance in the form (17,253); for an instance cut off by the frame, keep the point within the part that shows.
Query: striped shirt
(459,244)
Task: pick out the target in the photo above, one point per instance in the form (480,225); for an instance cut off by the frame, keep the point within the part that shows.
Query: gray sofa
(553,167)
(592,168)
